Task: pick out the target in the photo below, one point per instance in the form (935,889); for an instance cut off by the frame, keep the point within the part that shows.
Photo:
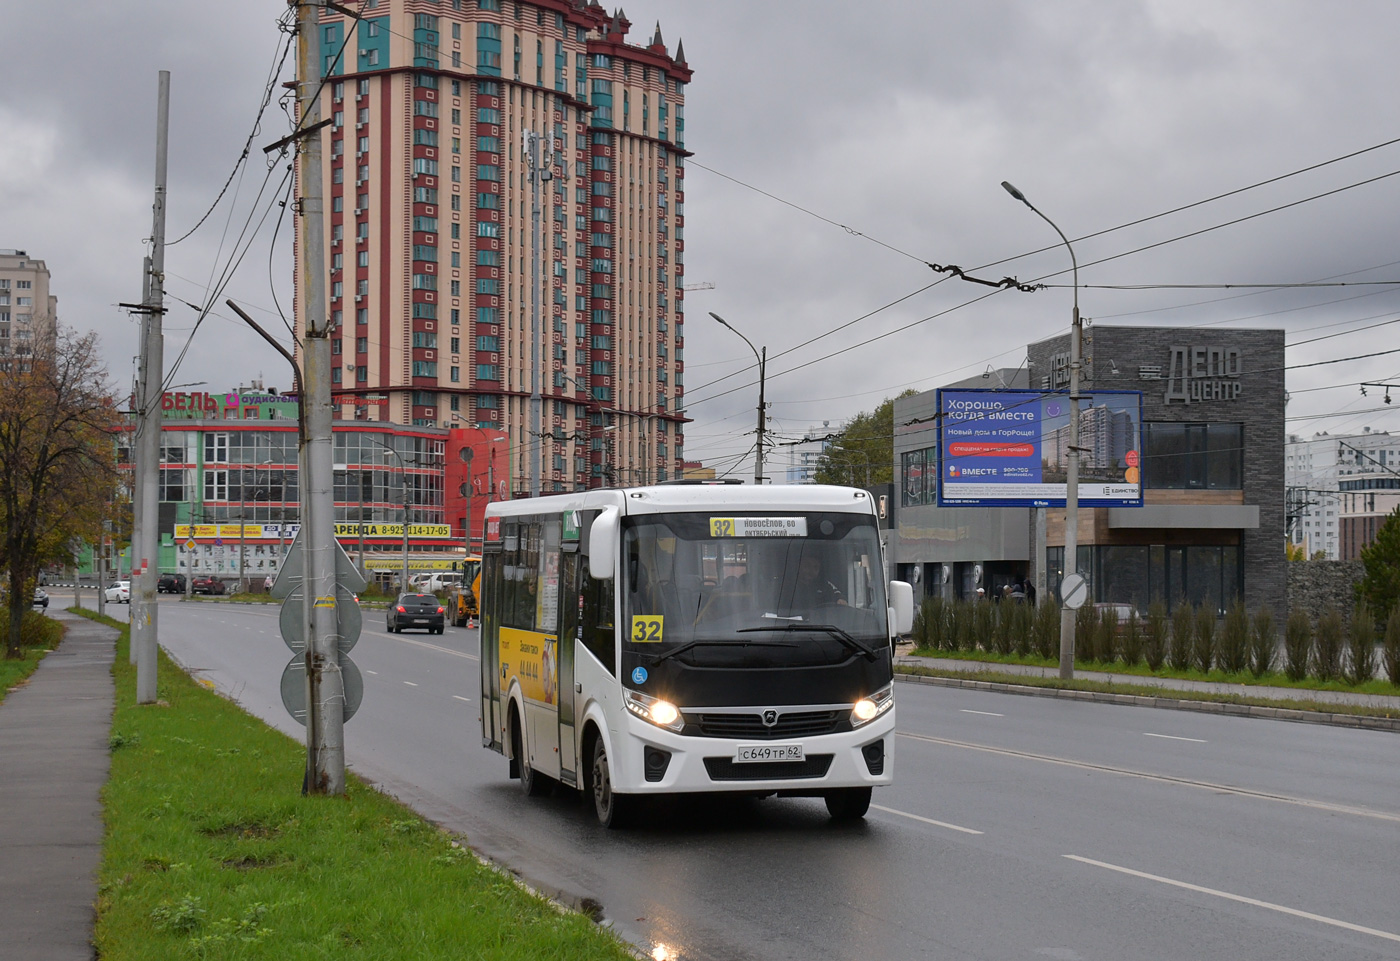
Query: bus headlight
(653,709)
(869,708)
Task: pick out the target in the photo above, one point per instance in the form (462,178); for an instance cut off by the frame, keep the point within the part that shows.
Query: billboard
(1008,448)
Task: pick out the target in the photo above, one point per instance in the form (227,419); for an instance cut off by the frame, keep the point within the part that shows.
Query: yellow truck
(464,606)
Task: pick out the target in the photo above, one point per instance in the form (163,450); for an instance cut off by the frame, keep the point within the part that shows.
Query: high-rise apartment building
(28,312)
(1318,470)
(465,135)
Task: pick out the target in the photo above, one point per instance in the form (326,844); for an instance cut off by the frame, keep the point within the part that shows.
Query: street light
(762,369)
(403,471)
(1072,478)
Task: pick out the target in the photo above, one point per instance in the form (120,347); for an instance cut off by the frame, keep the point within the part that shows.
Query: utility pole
(532,156)
(762,358)
(146,540)
(325,694)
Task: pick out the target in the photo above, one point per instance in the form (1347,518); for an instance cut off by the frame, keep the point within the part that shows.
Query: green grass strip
(1144,690)
(15,673)
(211,851)
(1377,685)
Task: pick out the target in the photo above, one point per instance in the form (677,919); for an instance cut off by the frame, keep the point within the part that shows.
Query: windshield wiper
(858,646)
(688,645)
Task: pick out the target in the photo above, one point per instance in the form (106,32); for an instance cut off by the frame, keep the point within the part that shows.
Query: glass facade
(1193,456)
(1139,574)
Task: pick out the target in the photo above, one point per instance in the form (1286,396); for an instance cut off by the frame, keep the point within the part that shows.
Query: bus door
(570,612)
(490,611)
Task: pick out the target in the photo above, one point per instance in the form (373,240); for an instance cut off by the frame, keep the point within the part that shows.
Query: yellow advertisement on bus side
(532,657)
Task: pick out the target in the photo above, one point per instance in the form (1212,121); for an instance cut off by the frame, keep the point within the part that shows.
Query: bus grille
(794,724)
(724,769)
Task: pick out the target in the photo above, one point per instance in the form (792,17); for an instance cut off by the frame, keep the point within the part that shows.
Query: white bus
(691,637)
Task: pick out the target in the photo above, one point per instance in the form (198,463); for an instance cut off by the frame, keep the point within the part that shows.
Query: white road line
(1240,898)
(461,698)
(1167,778)
(986,713)
(434,647)
(916,817)
(410,684)
(1173,737)
(371,672)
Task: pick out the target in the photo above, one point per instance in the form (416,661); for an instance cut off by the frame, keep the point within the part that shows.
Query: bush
(1154,650)
(1183,629)
(39,630)
(984,625)
(1003,614)
(964,631)
(1327,646)
(1263,643)
(1203,642)
(1106,636)
(925,624)
(1047,629)
(1391,660)
(1297,646)
(1022,627)
(1234,640)
(1086,623)
(1131,647)
(1361,647)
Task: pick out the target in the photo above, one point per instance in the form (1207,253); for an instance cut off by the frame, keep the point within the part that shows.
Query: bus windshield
(695,579)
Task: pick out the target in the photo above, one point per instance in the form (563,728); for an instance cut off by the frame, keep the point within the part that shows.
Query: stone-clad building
(1211,526)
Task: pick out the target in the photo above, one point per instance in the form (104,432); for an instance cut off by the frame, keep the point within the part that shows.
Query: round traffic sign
(349,621)
(1074,591)
(294,687)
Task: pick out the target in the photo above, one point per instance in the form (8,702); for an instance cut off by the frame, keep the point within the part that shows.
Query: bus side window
(598,631)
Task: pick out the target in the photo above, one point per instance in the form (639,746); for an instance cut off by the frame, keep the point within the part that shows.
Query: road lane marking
(917,817)
(434,647)
(1167,778)
(1308,915)
(371,672)
(461,698)
(410,684)
(986,713)
(1173,737)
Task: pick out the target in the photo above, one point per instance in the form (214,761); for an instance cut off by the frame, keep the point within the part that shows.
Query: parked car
(118,593)
(440,581)
(41,598)
(206,585)
(416,611)
(171,584)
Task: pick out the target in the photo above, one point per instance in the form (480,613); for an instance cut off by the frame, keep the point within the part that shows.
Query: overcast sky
(896,118)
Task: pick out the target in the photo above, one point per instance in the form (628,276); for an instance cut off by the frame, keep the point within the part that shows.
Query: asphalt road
(1017,828)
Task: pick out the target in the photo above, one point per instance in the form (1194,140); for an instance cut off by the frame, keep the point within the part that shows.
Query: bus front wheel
(613,810)
(848,804)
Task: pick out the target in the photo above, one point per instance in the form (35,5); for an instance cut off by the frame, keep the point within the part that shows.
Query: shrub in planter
(936,623)
(1263,643)
(1297,646)
(1131,647)
(1154,650)
(1183,630)
(1003,614)
(1106,636)
(1022,627)
(984,623)
(1361,647)
(1047,628)
(1086,623)
(1327,646)
(966,626)
(1391,658)
(1203,644)
(1234,640)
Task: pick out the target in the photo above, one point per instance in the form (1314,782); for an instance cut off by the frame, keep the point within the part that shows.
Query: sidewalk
(1169,684)
(53,763)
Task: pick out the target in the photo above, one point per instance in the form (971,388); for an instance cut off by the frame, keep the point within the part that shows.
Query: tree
(57,459)
(862,452)
(1379,588)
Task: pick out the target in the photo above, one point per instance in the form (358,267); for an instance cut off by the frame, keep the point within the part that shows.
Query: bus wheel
(848,803)
(533,783)
(613,810)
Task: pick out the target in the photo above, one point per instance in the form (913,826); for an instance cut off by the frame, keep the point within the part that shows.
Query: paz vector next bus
(691,638)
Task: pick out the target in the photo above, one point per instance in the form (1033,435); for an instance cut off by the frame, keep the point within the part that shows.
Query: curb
(1361,721)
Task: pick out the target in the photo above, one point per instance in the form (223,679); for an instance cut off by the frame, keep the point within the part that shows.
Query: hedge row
(1188,638)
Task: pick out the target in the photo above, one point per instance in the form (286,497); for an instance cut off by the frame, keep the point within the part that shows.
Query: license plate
(758,753)
(420,620)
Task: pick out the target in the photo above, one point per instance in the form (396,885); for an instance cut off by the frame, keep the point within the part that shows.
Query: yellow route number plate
(646,628)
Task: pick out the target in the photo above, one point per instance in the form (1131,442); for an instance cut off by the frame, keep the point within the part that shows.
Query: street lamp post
(1072,478)
(762,359)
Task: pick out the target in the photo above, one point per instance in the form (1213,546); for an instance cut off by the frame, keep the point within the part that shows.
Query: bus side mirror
(902,606)
(602,545)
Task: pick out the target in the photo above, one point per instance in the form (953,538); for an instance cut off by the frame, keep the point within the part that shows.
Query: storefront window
(1193,456)
(1139,574)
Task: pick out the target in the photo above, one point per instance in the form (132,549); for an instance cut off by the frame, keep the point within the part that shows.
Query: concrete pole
(758,477)
(325,728)
(403,471)
(189,555)
(146,620)
(242,524)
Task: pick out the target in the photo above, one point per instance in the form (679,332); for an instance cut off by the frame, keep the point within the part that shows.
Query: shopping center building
(1208,457)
